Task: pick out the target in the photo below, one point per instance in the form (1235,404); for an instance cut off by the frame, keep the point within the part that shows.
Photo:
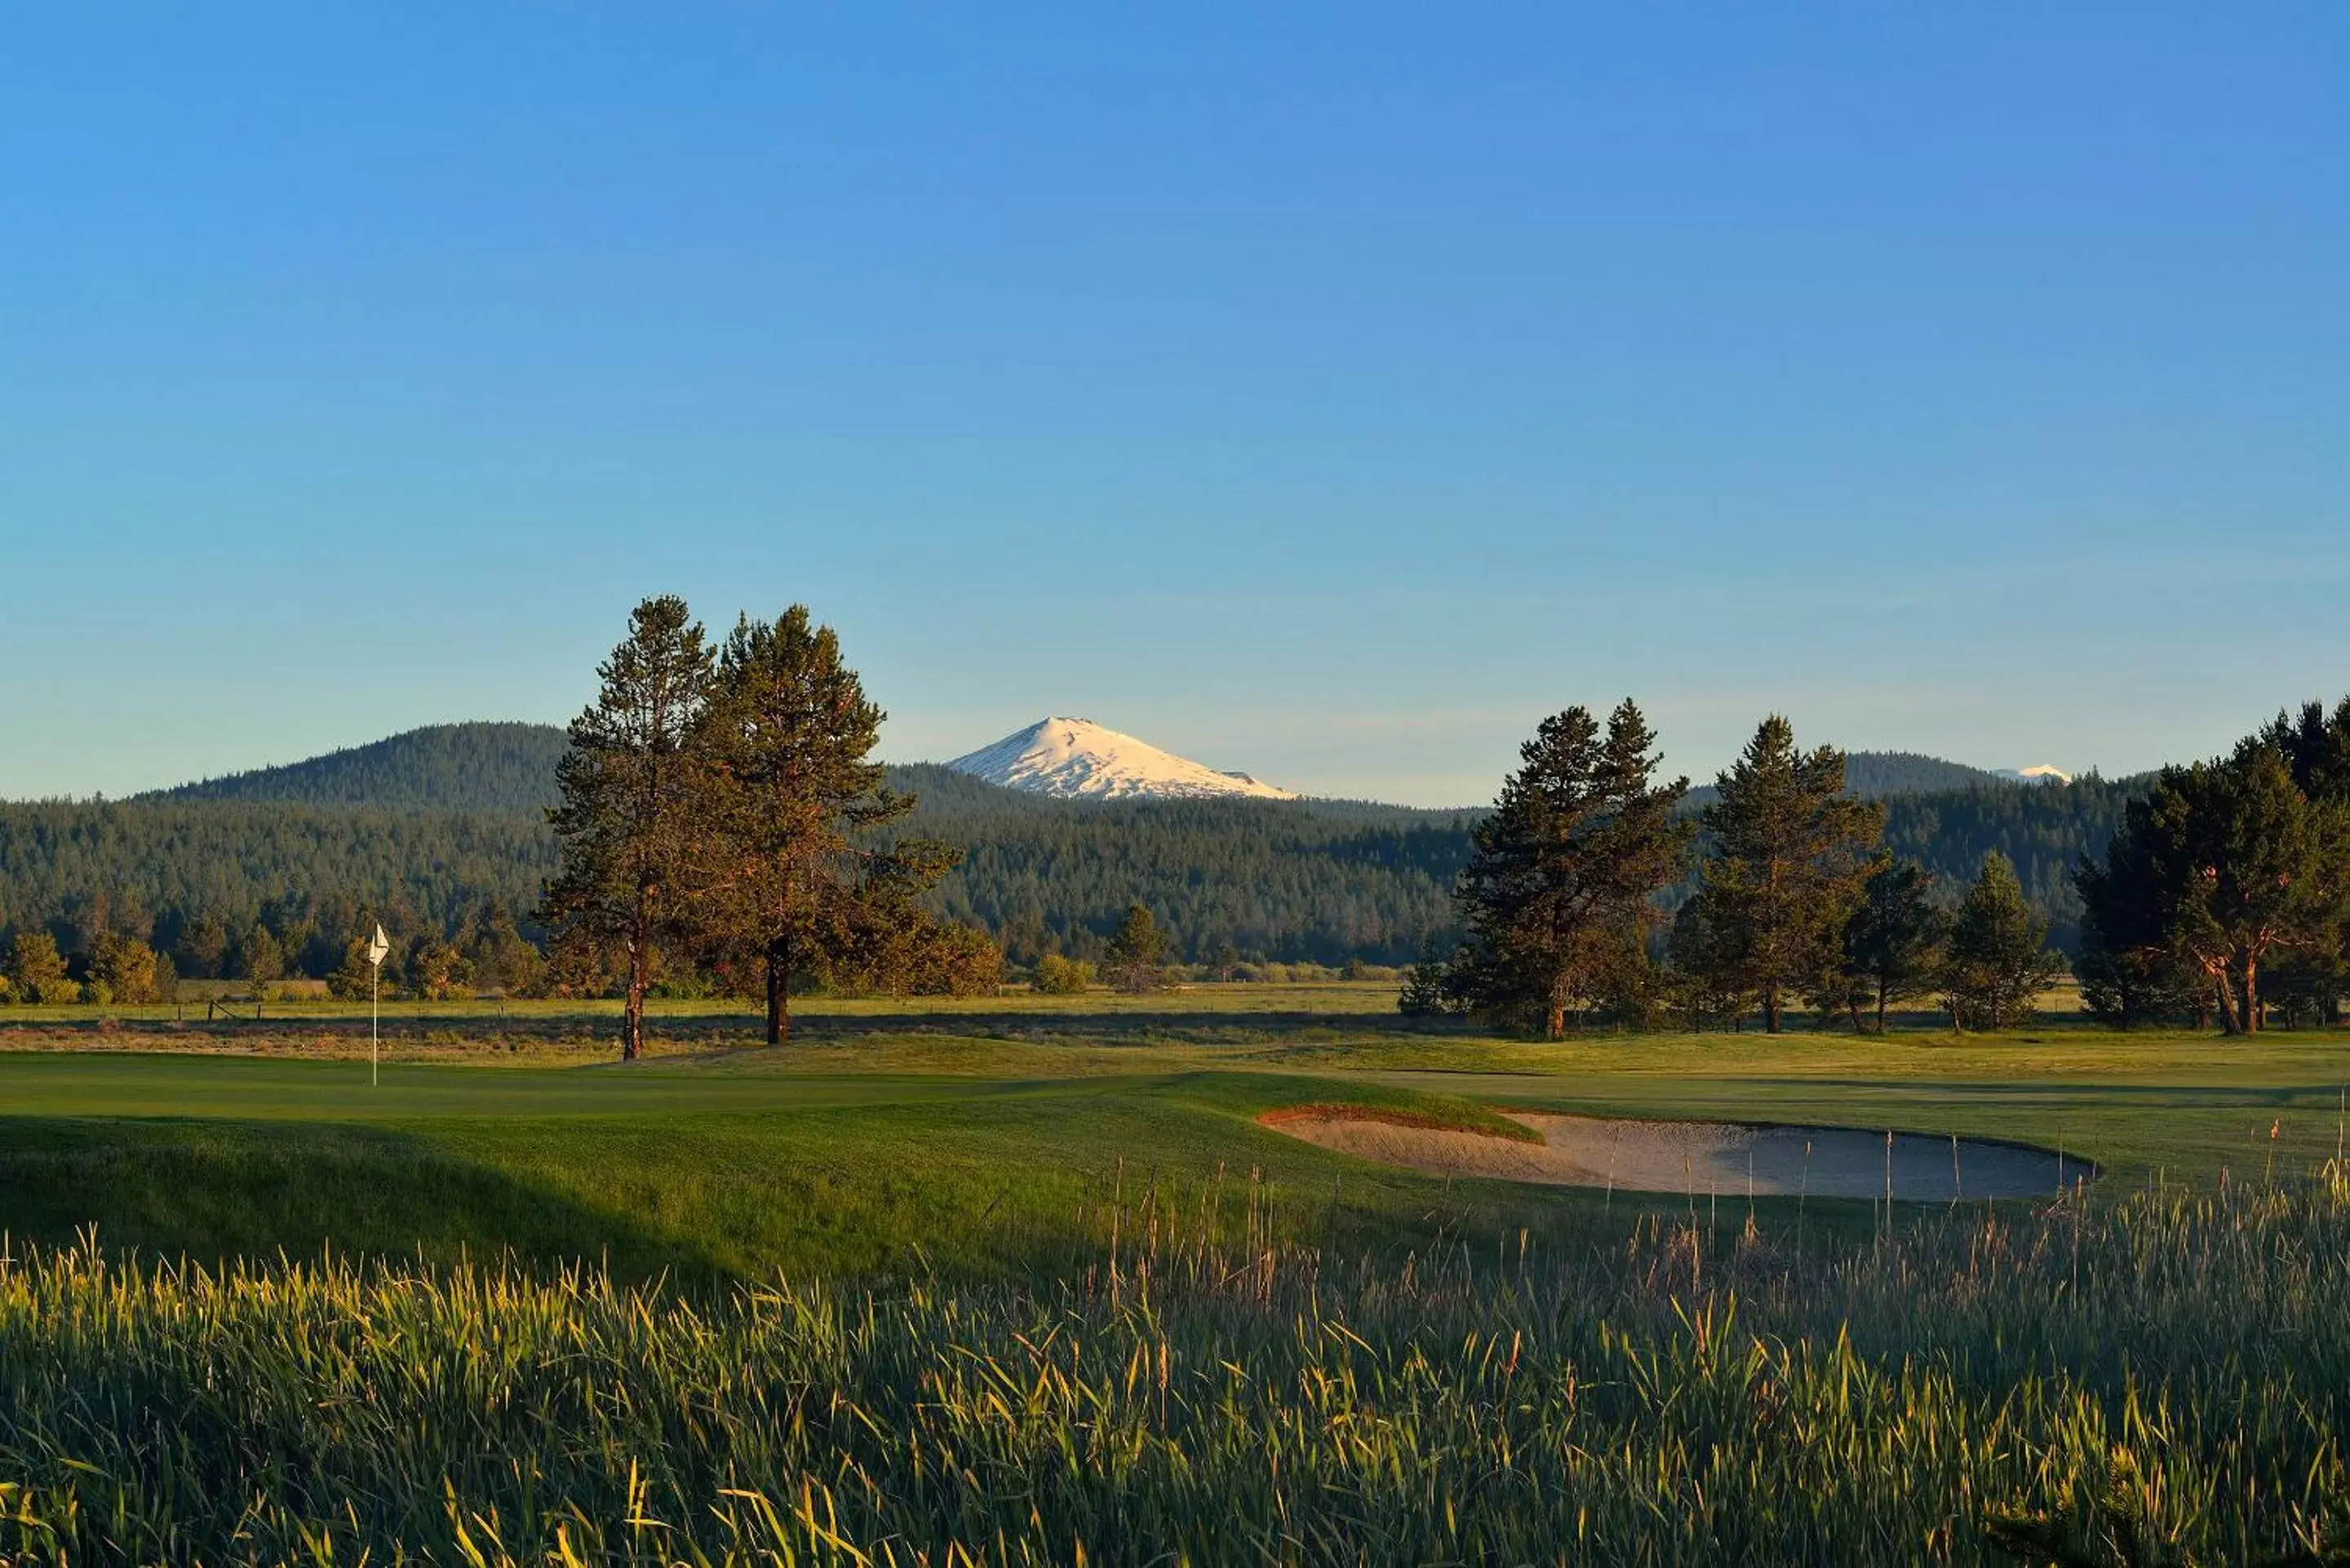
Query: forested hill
(1326,881)
(439,828)
(450,767)
(1281,880)
(1889,776)
(1881,775)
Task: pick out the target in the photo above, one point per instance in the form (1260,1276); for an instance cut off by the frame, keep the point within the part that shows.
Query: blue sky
(1329,392)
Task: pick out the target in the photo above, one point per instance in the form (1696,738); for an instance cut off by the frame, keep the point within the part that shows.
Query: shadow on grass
(210,1192)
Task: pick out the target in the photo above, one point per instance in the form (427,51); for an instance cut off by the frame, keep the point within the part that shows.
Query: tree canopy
(2223,869)
(1788,852)
(630,787)
(1559,892)
(791,877)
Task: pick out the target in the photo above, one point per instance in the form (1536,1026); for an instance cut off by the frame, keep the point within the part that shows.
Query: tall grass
(1208,1392)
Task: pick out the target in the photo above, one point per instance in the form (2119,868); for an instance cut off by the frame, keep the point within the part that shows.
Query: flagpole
(378,946)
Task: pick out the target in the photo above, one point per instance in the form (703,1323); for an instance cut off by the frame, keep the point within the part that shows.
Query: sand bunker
(1701,1156)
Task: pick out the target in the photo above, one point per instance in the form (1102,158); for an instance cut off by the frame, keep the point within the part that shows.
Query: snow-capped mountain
(2038,773)
(1076,757)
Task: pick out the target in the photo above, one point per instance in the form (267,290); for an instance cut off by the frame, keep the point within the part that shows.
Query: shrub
(958,960)
(1059,976)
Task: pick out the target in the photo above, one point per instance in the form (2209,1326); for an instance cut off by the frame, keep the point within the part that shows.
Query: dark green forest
(481,767)
(301,872)
(439,832)
(1283,880)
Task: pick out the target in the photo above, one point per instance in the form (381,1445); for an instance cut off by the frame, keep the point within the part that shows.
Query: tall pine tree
(1556,895)
(628,788)
(1998,959)
(1893,942)
(1790,854)
(1136,958)
(792,878)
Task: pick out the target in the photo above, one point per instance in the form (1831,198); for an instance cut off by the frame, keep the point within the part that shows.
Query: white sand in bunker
(1699,1156)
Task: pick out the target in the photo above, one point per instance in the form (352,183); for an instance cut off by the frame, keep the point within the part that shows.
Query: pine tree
(1997,958)
(2130,969)
(1893,942)
(260,957)
(793,878)
(203,943)
(2315,747)
(1699,981)
(1790,854)
(1556,895)
(1428,989)
(631,788)
(1136,958)
(2227,864)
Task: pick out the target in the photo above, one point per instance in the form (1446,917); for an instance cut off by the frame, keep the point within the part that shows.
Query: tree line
(262,892)
(1591,891)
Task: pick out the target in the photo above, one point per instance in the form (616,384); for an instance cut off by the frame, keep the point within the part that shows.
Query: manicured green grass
(709,1169)
(977,1138)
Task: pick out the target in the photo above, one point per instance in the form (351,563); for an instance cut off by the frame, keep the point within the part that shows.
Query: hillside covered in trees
(455,767)
(440,830)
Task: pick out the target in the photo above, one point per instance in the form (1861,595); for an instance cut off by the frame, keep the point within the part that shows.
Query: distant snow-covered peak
(1076,757)
(2038,773)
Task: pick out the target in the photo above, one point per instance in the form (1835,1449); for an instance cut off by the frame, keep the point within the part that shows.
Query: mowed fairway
(990,1137)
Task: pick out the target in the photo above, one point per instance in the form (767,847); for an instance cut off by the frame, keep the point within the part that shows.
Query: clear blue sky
(1329,393)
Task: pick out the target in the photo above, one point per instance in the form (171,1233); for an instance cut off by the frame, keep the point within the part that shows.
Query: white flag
(378,946)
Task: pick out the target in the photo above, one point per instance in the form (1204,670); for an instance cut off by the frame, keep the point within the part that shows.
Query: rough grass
(2166,1370)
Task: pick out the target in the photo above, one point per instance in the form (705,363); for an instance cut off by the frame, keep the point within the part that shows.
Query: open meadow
(1027,1278)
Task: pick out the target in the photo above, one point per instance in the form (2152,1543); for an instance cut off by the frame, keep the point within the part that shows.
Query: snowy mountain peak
(1076,757)
(2038,773)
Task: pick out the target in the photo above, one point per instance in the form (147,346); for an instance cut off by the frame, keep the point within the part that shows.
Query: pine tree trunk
(632,1010)
(2224,993)
(1881,998)
(2251,995)
(779,1011)
(1771,1009)
(1554,1022)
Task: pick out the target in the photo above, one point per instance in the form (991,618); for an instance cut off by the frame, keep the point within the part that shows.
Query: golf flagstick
(377,945)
